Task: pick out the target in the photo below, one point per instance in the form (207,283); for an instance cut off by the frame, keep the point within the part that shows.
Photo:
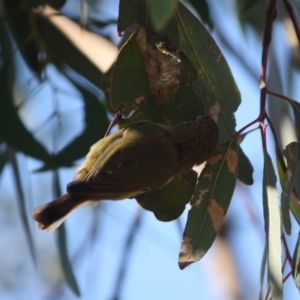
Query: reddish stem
(286,277)
(271,15)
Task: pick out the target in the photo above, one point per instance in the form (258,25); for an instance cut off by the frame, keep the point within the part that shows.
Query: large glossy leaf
(169,203)
(161,12)
(210,202)
(272,227)
(218,97)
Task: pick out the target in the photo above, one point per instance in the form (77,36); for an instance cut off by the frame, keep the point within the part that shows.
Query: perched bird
(138,158)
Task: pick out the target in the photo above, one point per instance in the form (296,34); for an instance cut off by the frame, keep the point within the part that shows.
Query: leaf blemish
(214,159)
(186,251)
(200,197)
(232,160)
(217,214)
(139,100)
(214,111)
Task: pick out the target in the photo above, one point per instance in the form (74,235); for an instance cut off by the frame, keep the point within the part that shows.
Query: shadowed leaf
(161,12)
(62,248)
(22,202)
(210,202)
(296,263)
(169,203)
(203,10)
(245,168)
(291,178)
(272,227)
(12,129)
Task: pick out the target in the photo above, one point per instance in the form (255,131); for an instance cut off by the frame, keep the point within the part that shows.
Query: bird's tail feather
(52,214)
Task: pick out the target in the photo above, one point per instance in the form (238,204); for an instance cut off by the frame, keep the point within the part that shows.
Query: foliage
(169,69)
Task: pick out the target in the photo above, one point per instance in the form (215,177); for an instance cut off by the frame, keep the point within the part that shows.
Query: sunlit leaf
(272,227)
(210,202)
(262,272)
(169,203)
(296,263)
(61,51)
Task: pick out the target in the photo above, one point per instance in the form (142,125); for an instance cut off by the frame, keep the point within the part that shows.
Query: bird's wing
(130,166)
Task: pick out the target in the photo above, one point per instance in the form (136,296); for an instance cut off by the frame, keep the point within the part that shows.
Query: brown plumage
(136,159)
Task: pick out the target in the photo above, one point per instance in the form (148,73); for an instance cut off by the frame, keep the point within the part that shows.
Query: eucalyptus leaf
(272,227)
(210,203)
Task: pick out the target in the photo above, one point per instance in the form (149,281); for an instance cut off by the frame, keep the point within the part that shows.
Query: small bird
(132,161)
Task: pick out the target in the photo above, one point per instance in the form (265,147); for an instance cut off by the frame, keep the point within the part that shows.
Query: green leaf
(291,180)
(203,10)
(245,168)
(22,201)
(294,204)
(64,258)
(296,263)
(21,24)
(210,203)
(262,272)
(161,12)
(214,84)
(272,227)
(220,97)
(62,248)
(169,203)
(296,109)
(129,70)
(96,124)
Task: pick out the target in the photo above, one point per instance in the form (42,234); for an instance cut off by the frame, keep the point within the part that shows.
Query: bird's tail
(52,214)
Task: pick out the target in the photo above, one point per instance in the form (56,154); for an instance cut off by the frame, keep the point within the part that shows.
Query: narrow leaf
(290,179)
(273,228)
(22,202)
(210,203)
(245,168)
(293,202)
(62,249)
(12,129)
(296,263)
